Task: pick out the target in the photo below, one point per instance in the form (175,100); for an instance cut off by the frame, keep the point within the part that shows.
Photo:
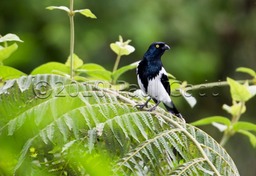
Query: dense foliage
(78,128)
(77,118)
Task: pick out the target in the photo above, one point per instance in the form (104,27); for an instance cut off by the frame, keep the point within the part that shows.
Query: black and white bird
(153,80)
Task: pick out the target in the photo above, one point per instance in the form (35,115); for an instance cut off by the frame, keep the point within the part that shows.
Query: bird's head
(156,50)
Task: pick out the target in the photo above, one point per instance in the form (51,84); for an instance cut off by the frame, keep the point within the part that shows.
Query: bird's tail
(172,109)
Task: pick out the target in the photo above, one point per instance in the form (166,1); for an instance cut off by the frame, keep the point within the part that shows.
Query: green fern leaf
(57,116)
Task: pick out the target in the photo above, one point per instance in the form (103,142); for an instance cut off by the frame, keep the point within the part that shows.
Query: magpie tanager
(153,80)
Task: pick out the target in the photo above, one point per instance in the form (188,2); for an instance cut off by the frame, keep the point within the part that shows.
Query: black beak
(166,47)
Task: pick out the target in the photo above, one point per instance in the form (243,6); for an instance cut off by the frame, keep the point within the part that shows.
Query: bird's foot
(152,109)
(141,106)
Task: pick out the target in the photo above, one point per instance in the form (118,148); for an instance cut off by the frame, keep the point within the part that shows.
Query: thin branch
(123,98)
(225,138)
(72,38)
(214,84)
(229,131)
(116,63)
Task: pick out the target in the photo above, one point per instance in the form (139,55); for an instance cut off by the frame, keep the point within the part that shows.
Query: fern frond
(57,116)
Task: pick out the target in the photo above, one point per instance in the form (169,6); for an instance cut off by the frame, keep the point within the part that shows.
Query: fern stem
(72,37)
(147,143)
(123,98)
(198,145)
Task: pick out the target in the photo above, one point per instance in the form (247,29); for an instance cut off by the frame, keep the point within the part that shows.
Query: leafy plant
(120,48)
(75,64)
(63,126)
(61,120)
(6,51)
(240,93)
(71,13)
(85,72)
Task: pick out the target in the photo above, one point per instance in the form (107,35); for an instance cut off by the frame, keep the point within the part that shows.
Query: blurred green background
(209,39)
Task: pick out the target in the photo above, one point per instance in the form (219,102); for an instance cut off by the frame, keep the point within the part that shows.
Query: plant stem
(116,63)
(72,37)
(121,97)
(5,44)
(214,84)
(198,145)
(229,131)
(225,138)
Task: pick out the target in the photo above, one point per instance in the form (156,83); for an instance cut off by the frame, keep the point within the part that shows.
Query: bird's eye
(157,46)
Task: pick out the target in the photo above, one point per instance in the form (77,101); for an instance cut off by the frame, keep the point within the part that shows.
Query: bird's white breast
(156,89)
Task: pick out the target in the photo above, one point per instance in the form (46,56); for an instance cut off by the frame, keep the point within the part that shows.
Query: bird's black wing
(166,84)
(143,76)
(171,108)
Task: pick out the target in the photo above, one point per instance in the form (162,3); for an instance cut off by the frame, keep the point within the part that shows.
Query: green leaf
(175,87)
(68,145)
(251,136)
(92,66)
(64,8)
(235,109)
(10,37)
(7,73)
(77,62)
(244,126)
(122,48)
(246,70)
(210,120)
(7,51)
(170,76)
(51,67)
(24,150)
(124,69)
(95,71)
(238,91)
(86,12)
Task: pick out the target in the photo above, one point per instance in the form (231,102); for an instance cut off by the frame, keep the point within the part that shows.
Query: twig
(214,84)
(72,37)
(123,98)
